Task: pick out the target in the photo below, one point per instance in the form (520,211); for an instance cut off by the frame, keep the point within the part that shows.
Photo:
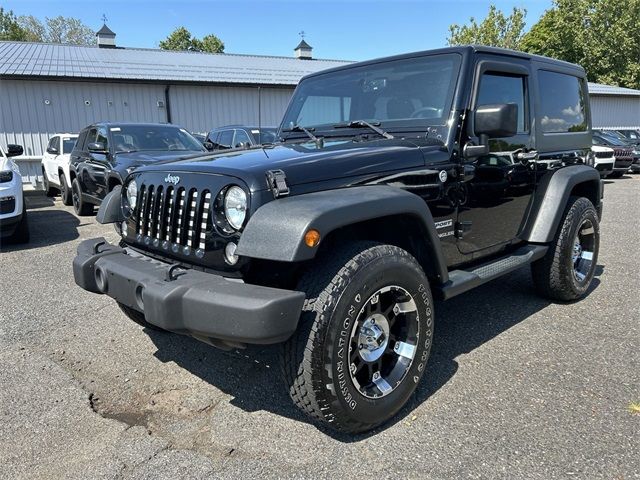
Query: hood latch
(277,183)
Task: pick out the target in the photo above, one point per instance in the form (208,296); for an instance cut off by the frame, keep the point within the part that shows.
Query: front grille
(173,216)
(623,153)
(604,154)
(7,205)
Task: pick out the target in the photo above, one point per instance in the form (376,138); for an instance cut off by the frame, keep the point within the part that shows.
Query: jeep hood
(147,157)
(305,162)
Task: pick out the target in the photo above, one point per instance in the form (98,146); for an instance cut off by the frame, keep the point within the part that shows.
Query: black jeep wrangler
(394,181)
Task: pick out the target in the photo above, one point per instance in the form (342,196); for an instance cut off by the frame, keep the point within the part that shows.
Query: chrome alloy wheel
(583,250)
(383,341)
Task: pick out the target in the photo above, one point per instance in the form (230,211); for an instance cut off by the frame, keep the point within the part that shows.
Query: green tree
(57,30)
(496,30)
(601,35)
(181,39)
(9,27)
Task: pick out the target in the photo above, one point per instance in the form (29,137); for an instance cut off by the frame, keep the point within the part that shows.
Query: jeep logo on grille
(172,179)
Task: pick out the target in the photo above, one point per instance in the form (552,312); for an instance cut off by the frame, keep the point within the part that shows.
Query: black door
(499,191)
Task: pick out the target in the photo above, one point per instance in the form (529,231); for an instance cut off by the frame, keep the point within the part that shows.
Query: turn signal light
(312,238)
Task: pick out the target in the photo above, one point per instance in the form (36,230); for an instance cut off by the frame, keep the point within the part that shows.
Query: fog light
(312,238)
(230,253)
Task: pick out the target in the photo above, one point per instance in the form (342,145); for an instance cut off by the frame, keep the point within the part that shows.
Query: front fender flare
(276,230)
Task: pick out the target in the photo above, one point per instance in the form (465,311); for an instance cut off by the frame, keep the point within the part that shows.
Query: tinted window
(267,135)
(241,137)
(55,143)
(91,137)
(67,144)
(412,92)
(81,139)
(561,103)
(503,88)
(102,137)
(225,140)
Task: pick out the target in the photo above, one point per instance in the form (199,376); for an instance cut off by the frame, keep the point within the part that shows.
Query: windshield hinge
(277,183)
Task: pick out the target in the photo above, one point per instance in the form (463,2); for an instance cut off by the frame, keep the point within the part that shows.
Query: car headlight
(132,195)
(235,206)
(6,176)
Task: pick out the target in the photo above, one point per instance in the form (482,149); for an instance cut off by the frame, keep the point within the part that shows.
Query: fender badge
(443,176)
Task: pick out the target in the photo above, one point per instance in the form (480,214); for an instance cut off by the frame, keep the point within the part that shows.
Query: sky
(344,30)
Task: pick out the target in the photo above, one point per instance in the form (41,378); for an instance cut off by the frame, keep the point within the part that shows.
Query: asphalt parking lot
(516,387)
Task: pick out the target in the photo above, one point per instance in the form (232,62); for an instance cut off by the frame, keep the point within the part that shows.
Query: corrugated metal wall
(201,108)
(32,111)
(611,111)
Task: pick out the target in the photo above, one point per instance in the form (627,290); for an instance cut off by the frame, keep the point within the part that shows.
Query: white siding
(615,111)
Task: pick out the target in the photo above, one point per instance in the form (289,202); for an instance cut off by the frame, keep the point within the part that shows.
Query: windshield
(67,144)
(408,94)
(133,138)
(611,140)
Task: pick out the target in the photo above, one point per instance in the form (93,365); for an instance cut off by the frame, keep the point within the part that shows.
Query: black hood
(305,162)
(146,157)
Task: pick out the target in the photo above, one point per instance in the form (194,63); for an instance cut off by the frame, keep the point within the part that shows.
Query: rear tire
(65,191)
(138,317)
(81,207)
(364,336)
(48,190)
(567,269)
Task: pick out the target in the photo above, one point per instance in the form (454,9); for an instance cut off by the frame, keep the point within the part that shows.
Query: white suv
(55,165)
(604,159)
(13,214)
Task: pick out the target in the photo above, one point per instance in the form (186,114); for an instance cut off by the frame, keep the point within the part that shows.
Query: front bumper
(187,301)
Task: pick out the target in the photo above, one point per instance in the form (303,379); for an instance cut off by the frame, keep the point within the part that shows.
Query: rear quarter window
(562,103)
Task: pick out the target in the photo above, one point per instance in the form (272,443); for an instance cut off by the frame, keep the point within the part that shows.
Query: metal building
(614,107)
(53,88)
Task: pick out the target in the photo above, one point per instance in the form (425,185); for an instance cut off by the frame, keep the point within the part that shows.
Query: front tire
(48,190)
(65,191)
(567,269)
(364,337)
(81,207)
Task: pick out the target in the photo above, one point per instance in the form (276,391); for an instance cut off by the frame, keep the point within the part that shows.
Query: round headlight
(132,194)
(235,207)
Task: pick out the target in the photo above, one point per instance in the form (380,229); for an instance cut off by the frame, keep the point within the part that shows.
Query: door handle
(525,157)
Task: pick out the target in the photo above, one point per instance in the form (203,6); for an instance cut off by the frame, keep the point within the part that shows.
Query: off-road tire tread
(551,277)
(302,354)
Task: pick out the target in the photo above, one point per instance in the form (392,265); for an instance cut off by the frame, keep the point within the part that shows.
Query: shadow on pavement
(467,322)
(47,227)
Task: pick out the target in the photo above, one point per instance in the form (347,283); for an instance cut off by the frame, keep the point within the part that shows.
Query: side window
(505,88)
(103,137)
(82,137)
(241,137)
(562,101)
(56,144)
(91,138)
(213,137)
(225,140)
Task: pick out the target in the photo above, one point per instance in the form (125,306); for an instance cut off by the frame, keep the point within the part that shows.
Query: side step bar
(461,281)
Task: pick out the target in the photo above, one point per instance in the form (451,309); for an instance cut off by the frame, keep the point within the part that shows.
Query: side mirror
(492,121)
(52,151)
(496,121)
(209,146)
(97,147)
(14,150)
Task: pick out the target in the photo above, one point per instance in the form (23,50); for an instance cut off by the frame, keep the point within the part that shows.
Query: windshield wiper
(364,124)
(300,128)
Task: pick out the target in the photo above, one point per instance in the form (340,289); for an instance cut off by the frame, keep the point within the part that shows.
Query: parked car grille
(7,205)
(625,153)
(604,154)
(171,217)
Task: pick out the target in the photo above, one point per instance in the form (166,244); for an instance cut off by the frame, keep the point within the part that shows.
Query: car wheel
(567,269)
(50,192)
(65,191)
(364,337)
(80,206)
(21,233)
(138,317)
